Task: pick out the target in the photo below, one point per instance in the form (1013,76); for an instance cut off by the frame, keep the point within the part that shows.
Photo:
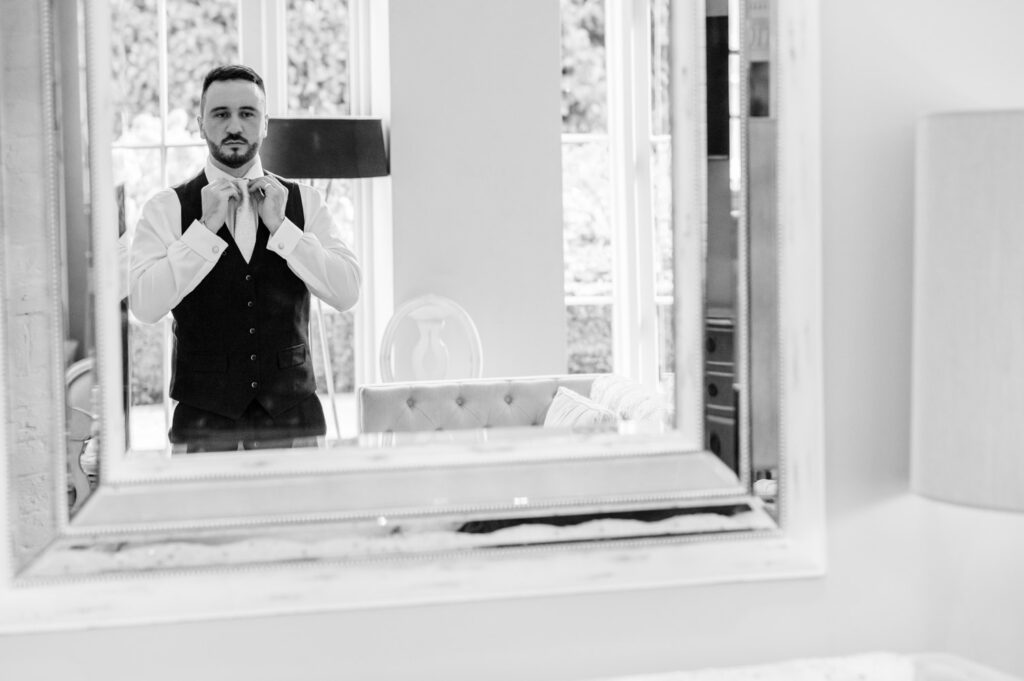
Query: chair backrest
(461,405)
(78,382)
(430,338)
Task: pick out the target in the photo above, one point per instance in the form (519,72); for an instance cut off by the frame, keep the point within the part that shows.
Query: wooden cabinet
(721,435)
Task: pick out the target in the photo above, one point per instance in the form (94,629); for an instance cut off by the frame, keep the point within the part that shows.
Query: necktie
(245,222)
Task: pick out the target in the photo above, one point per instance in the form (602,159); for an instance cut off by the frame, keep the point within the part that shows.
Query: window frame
(636,347)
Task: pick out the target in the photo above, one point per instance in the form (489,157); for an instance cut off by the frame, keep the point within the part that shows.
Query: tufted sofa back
(464,404)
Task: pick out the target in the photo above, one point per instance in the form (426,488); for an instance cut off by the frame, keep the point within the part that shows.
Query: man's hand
(269,197)
(219,200)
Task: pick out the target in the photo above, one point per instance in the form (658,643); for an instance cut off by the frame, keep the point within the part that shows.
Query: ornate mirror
(727,486)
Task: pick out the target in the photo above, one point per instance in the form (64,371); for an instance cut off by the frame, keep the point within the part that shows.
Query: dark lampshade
(304,148)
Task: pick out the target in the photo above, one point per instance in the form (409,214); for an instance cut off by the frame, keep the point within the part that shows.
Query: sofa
(577,401)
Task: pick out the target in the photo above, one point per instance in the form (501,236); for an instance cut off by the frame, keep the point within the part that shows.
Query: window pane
(661,189)
(338,328)
(584,83)
(136,174)
(666,346)
(318,63)
(589,338)
(338,197)
(661,181)
(184,163)
(734,25)
(585,209)
(735,160)
(146,421)
(135,79)
(734,84)
(200,35)
(661,68)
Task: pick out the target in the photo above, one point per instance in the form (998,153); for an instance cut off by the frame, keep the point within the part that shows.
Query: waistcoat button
(252,331)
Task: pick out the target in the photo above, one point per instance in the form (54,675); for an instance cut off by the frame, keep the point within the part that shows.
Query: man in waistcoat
(234,254)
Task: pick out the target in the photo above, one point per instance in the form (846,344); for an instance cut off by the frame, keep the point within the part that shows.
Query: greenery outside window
(617,202)
(304,49)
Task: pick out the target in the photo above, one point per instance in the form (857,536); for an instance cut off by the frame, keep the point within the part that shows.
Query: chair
(78,381)
(418,342)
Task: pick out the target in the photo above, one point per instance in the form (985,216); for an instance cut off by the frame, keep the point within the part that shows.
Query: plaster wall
(476,171)
(905,574)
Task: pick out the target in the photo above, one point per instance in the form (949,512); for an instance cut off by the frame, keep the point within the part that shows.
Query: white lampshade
(967,427)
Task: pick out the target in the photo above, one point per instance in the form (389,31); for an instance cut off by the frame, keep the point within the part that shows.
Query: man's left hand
(269,196)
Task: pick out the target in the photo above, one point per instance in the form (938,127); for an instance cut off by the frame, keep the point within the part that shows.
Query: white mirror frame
(49,581)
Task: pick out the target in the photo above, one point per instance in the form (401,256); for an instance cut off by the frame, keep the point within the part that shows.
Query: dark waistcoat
(243,333)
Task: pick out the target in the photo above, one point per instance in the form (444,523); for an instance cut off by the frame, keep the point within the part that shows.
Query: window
(304,49)
(617,202)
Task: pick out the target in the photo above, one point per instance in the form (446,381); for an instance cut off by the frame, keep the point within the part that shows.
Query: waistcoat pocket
(292,357)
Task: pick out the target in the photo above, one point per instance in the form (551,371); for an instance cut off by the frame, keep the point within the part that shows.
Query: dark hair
(230,72)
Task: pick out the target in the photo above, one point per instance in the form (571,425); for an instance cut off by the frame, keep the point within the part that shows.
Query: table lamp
(322,148)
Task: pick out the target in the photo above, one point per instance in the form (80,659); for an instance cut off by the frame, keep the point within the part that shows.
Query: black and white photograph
(491,340)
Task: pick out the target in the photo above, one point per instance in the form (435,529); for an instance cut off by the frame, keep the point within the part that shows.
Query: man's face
(233,122)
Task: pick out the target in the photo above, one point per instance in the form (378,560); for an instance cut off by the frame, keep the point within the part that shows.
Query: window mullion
(162,58)
(620,141)
(371,197)
(263,46)
(634,321)
(647,342)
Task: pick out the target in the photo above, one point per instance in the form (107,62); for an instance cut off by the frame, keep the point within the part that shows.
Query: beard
(233,157)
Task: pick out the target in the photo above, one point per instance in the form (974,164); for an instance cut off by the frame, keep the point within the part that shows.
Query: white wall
(476,171)
(904,574)
(887,63)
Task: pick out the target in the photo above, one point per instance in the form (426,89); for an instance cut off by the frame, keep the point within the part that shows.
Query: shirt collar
(213,173)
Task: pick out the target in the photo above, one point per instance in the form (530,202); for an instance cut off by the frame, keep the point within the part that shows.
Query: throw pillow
(569,409)
(629,400)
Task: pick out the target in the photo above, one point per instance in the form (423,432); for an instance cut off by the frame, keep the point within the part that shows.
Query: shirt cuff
(203,241)
(284,240)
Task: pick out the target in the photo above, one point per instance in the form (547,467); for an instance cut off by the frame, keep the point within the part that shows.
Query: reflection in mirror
(81,405)
(620,248)
(158,143)
(343,504)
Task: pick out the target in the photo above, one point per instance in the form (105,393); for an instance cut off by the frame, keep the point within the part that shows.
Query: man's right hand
(219,199)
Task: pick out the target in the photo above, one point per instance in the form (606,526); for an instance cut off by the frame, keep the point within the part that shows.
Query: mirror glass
(620,245)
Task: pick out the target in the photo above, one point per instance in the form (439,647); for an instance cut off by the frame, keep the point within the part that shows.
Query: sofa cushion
(629,400)
(569,409)
(463,404)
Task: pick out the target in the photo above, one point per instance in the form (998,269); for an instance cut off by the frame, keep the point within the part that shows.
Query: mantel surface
(866,667)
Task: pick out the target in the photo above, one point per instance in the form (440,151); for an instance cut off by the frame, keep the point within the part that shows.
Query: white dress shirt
(166,264)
